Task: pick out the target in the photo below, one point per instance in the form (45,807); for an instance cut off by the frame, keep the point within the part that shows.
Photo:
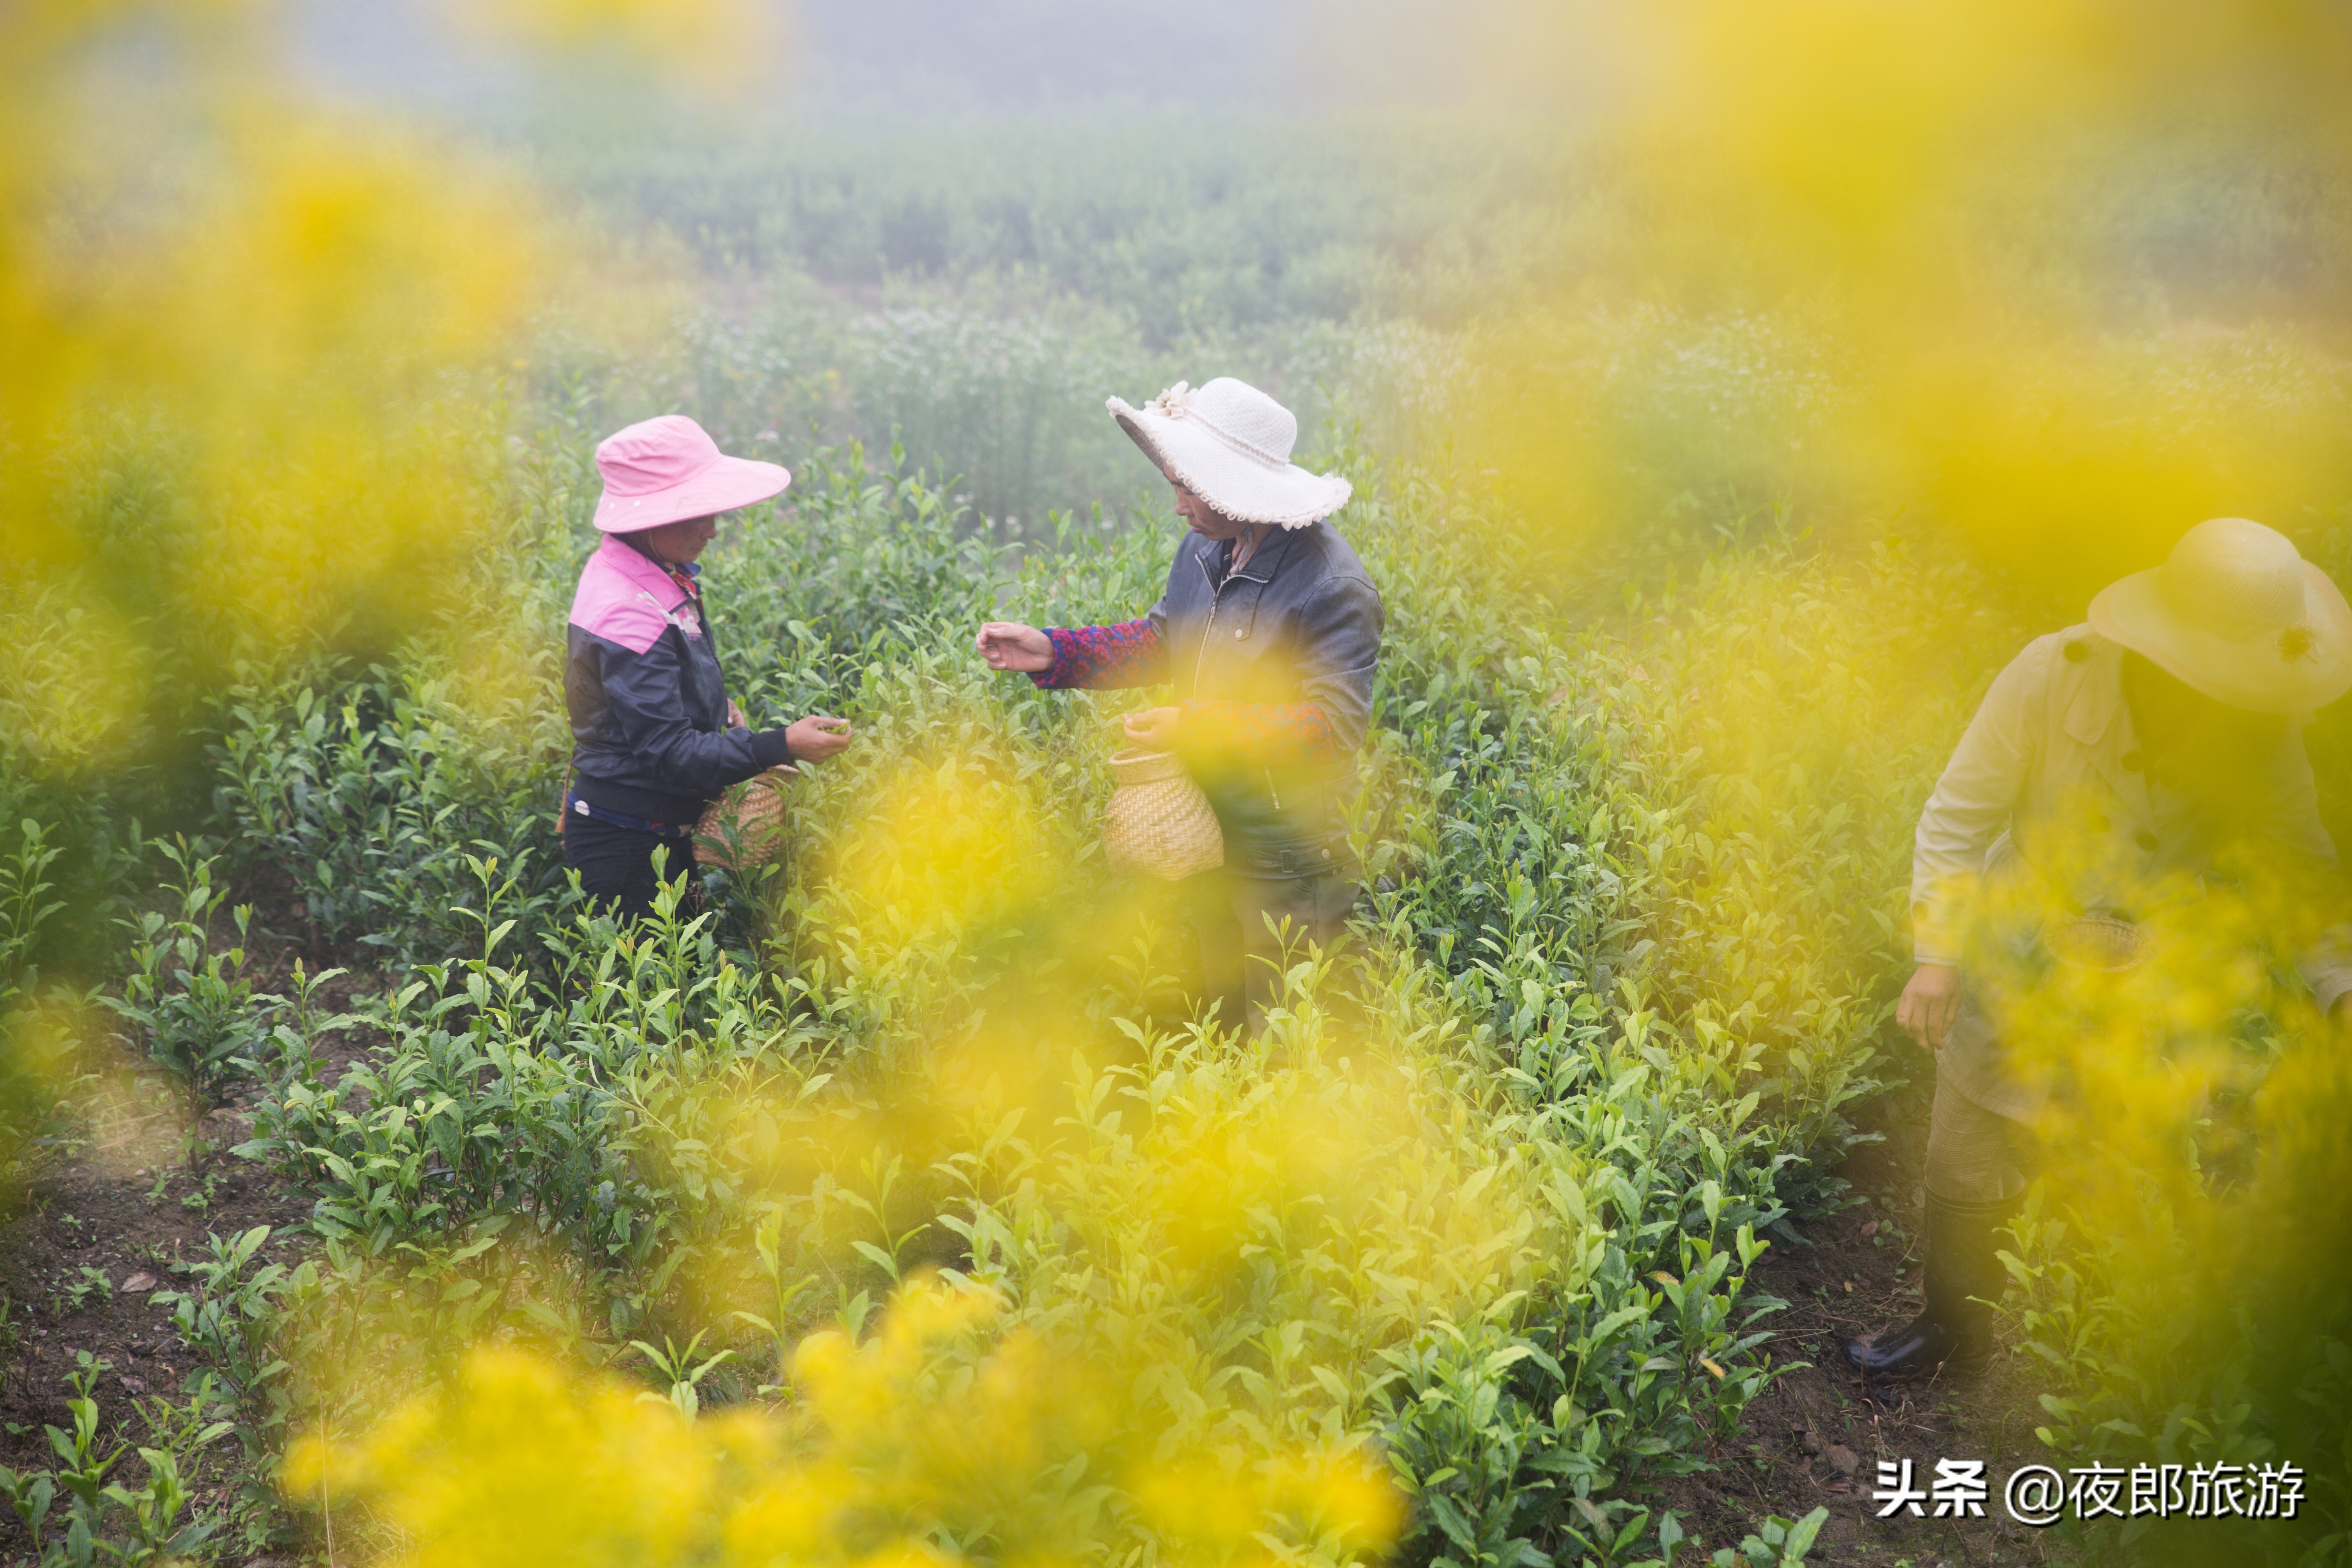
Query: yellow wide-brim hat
(2237,614)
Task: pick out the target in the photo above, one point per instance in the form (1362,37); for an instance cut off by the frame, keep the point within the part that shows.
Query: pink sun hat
(667,469)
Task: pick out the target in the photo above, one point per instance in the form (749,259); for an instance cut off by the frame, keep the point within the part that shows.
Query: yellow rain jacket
(2047,786)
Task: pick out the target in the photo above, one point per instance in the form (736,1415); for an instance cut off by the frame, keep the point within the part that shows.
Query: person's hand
(1154,729)
(1009,644)
(1929,1003)
(735,719)
(817,737)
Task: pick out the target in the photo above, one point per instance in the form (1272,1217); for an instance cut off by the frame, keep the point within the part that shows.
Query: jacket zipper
(1216,597)
(1201,659)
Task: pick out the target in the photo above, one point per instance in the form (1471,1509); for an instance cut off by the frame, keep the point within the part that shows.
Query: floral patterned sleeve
(1267,734)
(1128,654)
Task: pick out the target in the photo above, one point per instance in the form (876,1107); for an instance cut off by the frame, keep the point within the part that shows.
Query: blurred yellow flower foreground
(942,1427)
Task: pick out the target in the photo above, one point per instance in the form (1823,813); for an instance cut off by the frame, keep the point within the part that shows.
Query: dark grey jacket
(648,705)
(1274,665)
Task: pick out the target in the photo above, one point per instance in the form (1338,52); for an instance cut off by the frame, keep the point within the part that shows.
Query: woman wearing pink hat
(655,738)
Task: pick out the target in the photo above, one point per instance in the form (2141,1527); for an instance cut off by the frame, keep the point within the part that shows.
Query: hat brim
(723,486)
(1243,487)
(2260,677)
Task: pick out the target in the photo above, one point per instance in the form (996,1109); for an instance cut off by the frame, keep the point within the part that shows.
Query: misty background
(959,227)
(822,60)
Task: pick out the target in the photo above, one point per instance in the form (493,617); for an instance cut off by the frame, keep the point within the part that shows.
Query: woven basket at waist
(1157,823)
(2096,941)
(1145,767)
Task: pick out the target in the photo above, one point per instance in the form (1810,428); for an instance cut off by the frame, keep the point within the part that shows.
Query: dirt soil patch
(1817,1437)
(81,1263)
(104,1231)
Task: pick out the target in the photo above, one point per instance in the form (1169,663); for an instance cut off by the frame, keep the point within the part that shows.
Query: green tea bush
(1779,727)
(1229,225)
(85,1506)
(190,1007)
(998,383)
(40,1059)
(364,800)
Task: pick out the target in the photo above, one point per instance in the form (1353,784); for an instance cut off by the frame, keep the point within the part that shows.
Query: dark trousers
(1975,1155)
(1241,956)
(616,864)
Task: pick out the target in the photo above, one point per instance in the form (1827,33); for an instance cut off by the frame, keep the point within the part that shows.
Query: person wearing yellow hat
(2105,759)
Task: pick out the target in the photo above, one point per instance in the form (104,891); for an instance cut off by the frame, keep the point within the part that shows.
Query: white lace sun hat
(2237,614)
(1229,443)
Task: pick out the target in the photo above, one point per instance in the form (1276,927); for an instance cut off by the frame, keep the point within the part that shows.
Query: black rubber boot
(1963,1276)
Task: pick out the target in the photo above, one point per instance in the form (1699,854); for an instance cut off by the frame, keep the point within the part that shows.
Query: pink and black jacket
(651,745)
(1273,665)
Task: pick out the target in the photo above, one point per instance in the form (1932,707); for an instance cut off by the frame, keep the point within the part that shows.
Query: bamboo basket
(1159,823)
(2096,941)
(744,828)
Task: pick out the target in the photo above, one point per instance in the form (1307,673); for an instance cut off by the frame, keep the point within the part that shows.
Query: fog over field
(920,58)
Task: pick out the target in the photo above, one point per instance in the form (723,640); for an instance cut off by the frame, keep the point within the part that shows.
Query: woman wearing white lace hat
(2154,747)
(1270,632)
